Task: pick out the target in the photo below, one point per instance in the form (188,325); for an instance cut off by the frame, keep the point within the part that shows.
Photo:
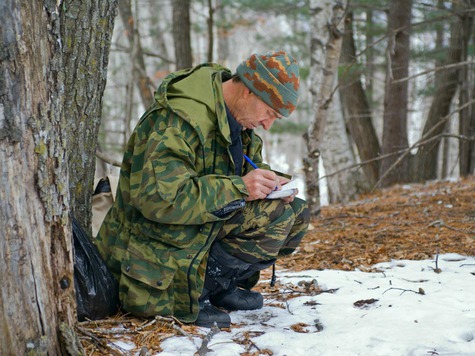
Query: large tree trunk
(356,107)
(181,34)
(396,94)
(425,167)
(86,31)
(52,74)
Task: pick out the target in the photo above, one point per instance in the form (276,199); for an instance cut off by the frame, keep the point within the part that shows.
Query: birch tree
(324,60)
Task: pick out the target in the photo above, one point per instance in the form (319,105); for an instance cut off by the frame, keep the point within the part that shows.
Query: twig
(441,223)
(108,159)
(420,291)
(99,342)
(395,153)
(288,307)
(437,269)
(203,350)
(436,69)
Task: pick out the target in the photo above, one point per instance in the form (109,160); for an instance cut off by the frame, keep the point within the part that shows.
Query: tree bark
(181,34)
(396,94)
(356,107)
(425,167)
(210,23)
(471,132)
(137,59)
(323,96)
(86,30)
(466,76)
(52,71)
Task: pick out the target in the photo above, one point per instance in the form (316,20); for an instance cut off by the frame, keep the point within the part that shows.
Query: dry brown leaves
(404,222)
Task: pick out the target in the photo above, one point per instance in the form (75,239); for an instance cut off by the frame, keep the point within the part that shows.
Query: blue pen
(254,165)
(250,162)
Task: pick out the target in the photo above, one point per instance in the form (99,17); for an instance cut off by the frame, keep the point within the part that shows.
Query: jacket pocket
(146,287)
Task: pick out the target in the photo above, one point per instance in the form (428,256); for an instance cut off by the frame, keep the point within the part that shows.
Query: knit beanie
(274,77)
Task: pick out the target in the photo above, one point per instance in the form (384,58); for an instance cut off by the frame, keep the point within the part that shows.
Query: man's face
(251,112)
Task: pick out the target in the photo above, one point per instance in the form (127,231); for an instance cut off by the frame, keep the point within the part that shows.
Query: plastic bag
(97,291)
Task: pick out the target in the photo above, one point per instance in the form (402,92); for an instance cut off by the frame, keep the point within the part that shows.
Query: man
(191,227)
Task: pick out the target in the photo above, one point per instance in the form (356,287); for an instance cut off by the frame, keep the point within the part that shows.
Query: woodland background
(400,100)
(387,97)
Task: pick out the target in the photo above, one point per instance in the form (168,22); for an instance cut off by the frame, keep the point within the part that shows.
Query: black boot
(223,274)
(209,315)
(237,299)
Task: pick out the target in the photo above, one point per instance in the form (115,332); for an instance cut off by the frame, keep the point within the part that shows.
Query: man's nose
(267,123)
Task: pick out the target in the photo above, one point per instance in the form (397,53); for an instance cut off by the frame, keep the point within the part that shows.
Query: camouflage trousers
(265,230)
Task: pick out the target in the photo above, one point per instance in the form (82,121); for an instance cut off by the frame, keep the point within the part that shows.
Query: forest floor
(413,222)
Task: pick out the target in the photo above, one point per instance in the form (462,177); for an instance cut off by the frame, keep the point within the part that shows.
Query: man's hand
(260,183)
(290,198)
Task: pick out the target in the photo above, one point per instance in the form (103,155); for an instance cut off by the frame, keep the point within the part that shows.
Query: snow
(405,308)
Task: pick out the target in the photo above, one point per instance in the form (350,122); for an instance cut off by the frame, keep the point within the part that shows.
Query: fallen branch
(420,291)
(203,350)
(441,223)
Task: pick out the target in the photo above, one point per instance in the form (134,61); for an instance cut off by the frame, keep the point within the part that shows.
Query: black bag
(97,291)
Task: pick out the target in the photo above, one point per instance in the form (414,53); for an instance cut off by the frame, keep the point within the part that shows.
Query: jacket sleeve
(166,188)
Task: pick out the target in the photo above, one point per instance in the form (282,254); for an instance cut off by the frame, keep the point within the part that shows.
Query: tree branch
(436,69)
(108,159)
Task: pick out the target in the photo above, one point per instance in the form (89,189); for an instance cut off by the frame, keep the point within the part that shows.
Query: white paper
(288,189)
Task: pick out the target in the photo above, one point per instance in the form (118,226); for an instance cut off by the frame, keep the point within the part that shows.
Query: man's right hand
(260,183)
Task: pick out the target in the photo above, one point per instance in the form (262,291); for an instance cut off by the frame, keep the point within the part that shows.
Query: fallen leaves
(403,222)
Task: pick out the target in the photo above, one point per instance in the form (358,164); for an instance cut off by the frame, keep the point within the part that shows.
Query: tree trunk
(322,92)
(86,30)
(356,107)
(52,74)
(210,23)
(471,131)
(181,34)
(222,33)
(396,94)
(466,77)
(425,167)
(139,70)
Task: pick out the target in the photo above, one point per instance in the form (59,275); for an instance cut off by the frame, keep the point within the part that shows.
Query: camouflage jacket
(176,174)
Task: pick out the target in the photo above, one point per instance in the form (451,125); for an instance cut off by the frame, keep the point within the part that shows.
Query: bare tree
(356,107)
(466,77)
(323,90)
(396,94)
(181,34)
(52,75)
(425,167)
(210,23)
(137,59)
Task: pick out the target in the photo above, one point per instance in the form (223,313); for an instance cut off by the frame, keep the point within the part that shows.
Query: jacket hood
(193,94)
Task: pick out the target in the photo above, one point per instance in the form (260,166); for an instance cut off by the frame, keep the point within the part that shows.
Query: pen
(254,165)
(250,162)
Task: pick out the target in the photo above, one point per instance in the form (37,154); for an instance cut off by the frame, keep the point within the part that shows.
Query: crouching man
(191,227)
